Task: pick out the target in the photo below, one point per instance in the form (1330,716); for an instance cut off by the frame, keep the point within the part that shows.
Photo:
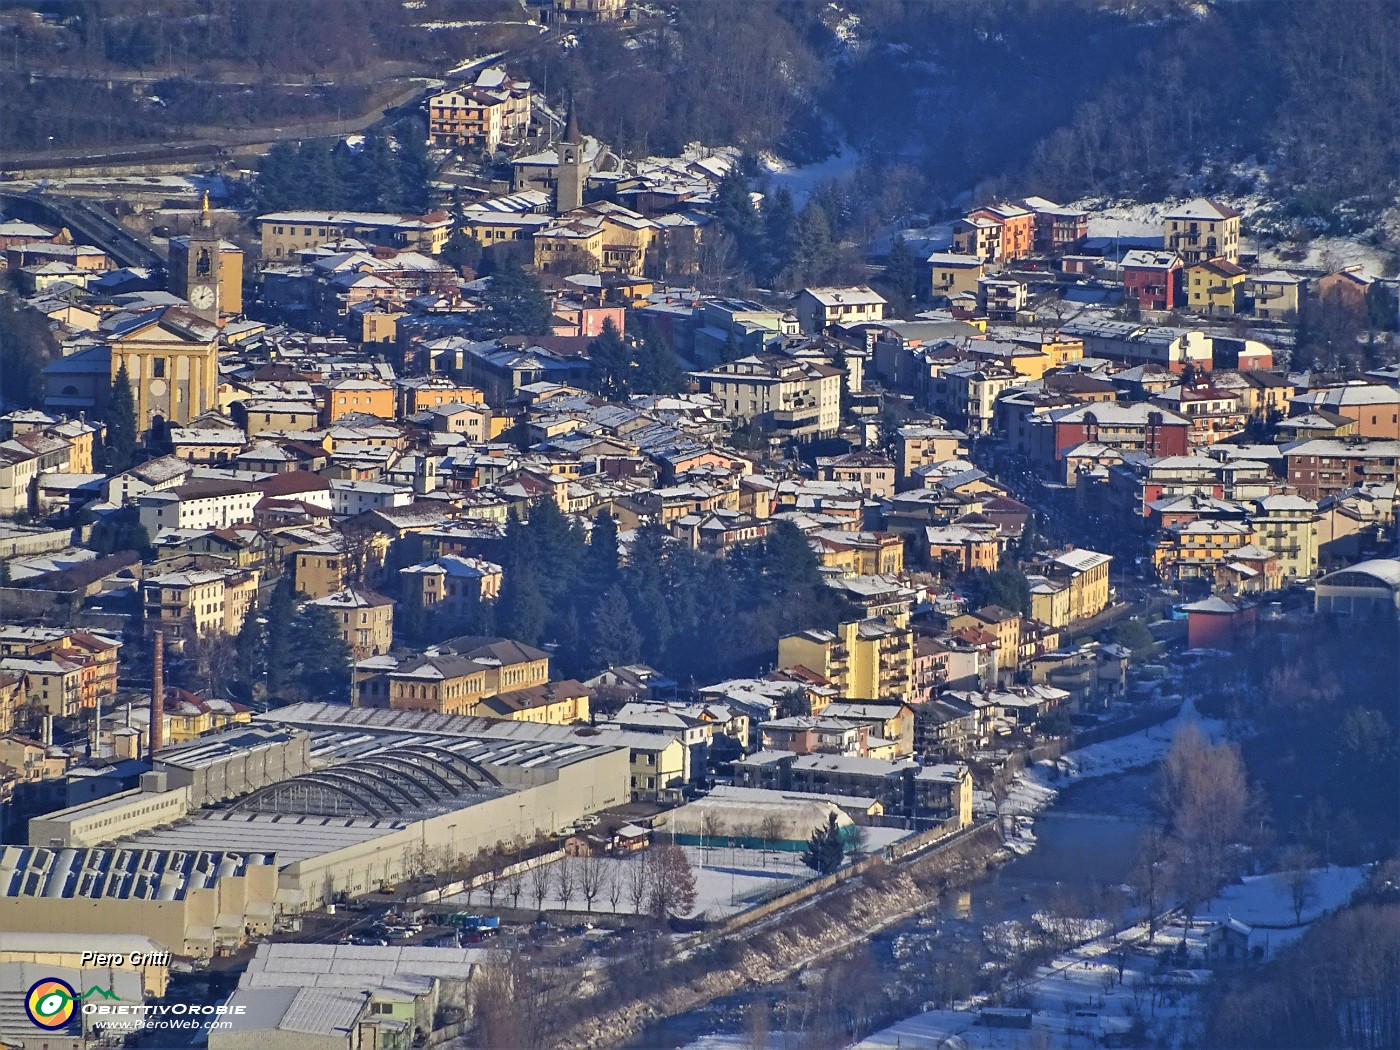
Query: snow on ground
(1036,787)
(1078,996)
(726,881)
(1320,253)
(1265,901)
(1144,221)
(923,241)
(801,181)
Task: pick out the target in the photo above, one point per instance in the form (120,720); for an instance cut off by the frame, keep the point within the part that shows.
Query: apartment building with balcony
(783,397)
(868,659)
(190,605)
(1202,229)
(495,109)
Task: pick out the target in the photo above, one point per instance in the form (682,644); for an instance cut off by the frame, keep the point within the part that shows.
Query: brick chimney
(157,728)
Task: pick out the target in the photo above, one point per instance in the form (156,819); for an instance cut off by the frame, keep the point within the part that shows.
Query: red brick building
(1153,279)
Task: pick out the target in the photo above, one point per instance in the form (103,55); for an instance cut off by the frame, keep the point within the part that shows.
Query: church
(170,352)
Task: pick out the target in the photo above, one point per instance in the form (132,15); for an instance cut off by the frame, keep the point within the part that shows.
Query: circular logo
(50,1002)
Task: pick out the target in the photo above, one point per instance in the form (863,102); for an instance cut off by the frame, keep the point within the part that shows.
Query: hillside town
(379,588)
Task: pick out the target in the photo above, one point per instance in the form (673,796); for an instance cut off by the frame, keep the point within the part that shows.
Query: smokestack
(47,729)
(157,729)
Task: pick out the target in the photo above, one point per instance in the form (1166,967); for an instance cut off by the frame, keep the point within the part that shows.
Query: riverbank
(768,952)
(1070,823)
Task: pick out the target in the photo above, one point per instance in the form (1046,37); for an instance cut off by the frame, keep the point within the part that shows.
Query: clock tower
(199,275)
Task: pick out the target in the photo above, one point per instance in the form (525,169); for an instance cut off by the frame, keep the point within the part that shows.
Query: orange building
(367,396)
(1017,239)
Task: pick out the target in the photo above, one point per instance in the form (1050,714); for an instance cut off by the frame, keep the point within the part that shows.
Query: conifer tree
(815,246)
(825,849)
(281,660)
(616,639)
(658,371)
(610,364)
(514,304)
(734,211)
(323,658)
(902,274)
(121,425)
(779,236)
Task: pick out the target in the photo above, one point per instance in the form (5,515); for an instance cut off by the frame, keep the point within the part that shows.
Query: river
(1085,842)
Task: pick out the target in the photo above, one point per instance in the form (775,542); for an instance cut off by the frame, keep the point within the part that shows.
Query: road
(89,225)
(219,145)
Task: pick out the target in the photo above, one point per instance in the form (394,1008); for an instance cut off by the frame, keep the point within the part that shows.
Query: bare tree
(1299,864)
(638,880)
(672,886)
(709,831)
(612,885)
(1206,799)
(566,880)
(758,1024)
(514,885)
(1149,876)
(592,872)
(511,1003)
(541,881)
(770,831)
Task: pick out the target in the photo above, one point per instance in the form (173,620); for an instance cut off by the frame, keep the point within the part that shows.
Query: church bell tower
(200,275)
(568,188)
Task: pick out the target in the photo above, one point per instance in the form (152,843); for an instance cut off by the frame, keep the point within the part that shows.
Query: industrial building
(346,997)
(233,831)
(192,902)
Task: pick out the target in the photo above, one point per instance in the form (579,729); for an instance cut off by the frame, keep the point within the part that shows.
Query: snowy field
(801,181)
(726,881)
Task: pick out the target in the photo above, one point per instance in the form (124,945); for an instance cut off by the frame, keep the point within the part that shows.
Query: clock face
(201,298)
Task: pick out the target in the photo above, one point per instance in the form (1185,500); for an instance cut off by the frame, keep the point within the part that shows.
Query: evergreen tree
(121,425)
(250,647)
(514,304)
(377,185)
(318,177)
(779,237)
(415,167)
(1009,588)
(815,247)
(27,347)
(522,609)
(120,530)
(646,586)
(279,656)
(278,184)
(616,639)
(323,658)
(610,364)
(825,849)
(902,275)
(462,251)
(734,211)
(602,560)
(788,562)
(658,370)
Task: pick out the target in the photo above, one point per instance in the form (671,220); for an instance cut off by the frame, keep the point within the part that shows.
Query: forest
(695,617)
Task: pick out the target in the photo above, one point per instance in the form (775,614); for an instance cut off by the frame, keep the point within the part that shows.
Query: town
(464,582)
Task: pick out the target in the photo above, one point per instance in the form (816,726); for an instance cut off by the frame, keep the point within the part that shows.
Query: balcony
(792,418)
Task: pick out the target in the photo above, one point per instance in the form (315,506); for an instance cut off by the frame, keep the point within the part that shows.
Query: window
(158,368)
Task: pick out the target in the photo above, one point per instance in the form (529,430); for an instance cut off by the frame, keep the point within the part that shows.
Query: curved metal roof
(395,783)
